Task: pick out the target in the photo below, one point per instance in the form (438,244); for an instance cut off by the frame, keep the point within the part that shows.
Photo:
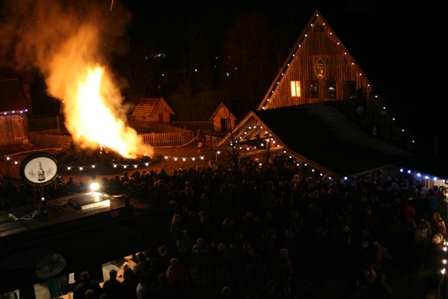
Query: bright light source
(94,186)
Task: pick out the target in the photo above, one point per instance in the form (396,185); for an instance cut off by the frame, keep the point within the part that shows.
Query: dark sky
(398,47)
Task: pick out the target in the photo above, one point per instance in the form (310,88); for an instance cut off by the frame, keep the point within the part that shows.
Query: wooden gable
(13,113)
(332,100)
(319,68)
(152,110)
(223,119)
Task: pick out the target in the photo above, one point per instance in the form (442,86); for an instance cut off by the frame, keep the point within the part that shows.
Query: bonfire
(101,160)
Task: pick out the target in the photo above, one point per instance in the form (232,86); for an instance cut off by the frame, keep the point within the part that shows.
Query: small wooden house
(152,110)
(13,113)
(223,120)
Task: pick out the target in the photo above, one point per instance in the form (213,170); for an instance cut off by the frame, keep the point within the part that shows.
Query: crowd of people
(271,232)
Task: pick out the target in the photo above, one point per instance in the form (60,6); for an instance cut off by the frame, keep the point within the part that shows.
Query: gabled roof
(147,107)
(323,136)
(316,23)
(220,107)
(12,97)
(319,133)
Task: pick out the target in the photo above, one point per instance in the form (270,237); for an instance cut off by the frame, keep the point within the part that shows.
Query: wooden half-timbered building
(323,111)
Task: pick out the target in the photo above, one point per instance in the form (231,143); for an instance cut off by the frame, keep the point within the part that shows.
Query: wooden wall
(13,129)
(320,43)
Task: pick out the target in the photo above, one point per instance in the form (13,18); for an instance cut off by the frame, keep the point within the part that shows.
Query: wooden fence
(52,139)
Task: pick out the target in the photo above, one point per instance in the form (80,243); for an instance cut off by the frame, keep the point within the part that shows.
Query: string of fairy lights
(287,65)
(9,159)
(15,112)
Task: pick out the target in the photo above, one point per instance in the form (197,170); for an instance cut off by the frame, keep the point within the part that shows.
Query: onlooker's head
(90,294)
(113,273)
(226,292)
(174,262)
(84,276)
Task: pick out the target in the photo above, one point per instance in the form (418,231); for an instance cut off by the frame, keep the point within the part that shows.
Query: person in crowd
(283,273)
(177,277)
(271,291)
(201,260)
(220,278)
(438,224)
(255,278)
(226,292)
(433,202)
(142,288)
(112,287)
(90,294)
(79,292)
(142,265)
(160,288)
(407,212)
(380,289)
(129,284)
(154,270)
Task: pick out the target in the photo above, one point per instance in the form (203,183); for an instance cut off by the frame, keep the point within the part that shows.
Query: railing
(147,126)
(52,139)
(169,138)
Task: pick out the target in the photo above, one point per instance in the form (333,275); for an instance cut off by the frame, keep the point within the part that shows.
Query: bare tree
(249,58)
(194,74)
(142,68)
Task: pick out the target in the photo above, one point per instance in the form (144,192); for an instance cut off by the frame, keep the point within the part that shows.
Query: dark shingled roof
(322,134)
(12,97)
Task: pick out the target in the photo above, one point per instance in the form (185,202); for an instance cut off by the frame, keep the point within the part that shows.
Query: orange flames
(93,109)
(66,41)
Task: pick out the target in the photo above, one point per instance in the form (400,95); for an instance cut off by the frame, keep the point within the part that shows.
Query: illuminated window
(314,90)
(295,88)
(331,89)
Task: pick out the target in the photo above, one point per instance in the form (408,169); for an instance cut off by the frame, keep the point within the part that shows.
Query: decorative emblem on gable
(319,69)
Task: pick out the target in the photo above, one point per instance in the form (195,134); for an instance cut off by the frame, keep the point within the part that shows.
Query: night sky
(400,48)
(396,46)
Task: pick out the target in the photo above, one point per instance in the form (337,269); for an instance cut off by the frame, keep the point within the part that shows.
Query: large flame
(91,121)
(93,109)
(67,41)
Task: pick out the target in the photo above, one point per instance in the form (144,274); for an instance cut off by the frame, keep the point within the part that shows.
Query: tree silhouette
(249,58)
(194,74)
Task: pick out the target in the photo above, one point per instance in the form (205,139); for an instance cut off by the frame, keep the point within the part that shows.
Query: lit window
(295,88)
